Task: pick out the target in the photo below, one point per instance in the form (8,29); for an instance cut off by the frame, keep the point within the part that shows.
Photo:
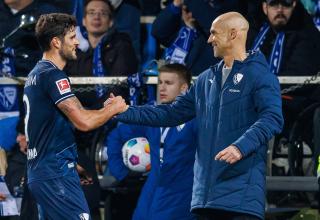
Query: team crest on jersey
(84,216)
(8,96)
(63,86)
(237,78)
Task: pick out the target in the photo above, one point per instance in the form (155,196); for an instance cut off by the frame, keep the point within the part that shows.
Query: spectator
(23,41)
(205,11)
(197,16)
(290,41)
(313,8)
(125,9)
(168,189)
(23,44)
(192,51)
(122,10)
(288,38)
(110,53)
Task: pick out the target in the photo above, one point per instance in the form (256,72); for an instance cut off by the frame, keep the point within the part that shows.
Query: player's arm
(86,120)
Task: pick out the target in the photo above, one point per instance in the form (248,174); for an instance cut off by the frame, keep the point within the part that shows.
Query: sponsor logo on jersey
(63,86)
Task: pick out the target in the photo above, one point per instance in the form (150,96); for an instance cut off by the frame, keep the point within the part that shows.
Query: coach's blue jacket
(166,195)
(245,112)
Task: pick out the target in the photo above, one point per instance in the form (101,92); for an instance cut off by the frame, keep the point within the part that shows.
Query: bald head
(228,35)
(232,20)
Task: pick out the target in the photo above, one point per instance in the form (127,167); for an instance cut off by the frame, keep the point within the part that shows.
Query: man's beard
(67,56)
(282,24)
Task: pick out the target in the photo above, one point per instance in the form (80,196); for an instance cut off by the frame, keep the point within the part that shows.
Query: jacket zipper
(212,150)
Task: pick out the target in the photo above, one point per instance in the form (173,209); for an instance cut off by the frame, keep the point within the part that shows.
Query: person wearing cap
(287,37)
(290,41)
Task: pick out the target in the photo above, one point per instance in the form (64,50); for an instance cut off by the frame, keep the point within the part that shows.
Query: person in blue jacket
(237,107)
(168,189)
(183,27)
(176,29)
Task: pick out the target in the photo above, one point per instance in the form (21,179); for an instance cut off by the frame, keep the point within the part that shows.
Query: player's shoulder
(49,72)
(45,73)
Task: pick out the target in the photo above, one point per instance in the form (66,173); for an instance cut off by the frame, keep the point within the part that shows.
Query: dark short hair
(181,70)
(53,25)
(105,1)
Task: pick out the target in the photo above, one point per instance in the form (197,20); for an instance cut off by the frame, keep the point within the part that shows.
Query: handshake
(115,104)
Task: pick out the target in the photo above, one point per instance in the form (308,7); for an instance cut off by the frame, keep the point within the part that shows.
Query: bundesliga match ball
(136,154)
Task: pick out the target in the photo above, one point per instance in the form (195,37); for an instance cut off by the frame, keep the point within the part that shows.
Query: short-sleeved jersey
(51,145)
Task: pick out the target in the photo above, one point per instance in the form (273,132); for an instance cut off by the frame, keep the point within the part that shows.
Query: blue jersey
(51,145)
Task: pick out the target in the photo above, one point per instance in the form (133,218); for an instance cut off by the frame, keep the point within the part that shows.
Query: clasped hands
(116,103)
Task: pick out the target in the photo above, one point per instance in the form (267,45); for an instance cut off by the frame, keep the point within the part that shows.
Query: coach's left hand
(230,155)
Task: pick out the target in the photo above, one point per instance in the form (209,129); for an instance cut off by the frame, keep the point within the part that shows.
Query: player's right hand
(116,103)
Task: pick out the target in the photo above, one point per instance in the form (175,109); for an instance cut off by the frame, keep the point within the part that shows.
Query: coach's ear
(55,43)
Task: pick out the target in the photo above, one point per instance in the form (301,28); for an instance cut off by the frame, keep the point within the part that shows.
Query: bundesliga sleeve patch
(63,86)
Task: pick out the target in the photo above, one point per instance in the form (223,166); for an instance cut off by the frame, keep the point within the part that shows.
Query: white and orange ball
(136,154)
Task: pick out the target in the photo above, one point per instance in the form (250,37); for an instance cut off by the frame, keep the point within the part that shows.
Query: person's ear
(264,7)
(233,34)
(184,87)
(56,43)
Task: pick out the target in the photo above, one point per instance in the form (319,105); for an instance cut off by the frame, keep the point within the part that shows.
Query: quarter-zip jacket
(245,112)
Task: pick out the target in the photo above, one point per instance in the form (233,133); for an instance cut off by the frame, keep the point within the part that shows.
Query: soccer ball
(136,154)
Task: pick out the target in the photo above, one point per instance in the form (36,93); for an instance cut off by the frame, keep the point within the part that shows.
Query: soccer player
(50,107)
